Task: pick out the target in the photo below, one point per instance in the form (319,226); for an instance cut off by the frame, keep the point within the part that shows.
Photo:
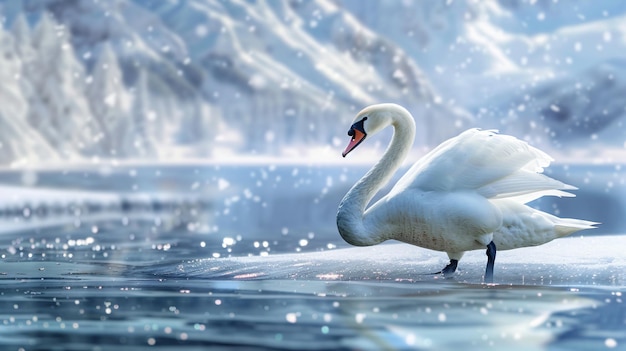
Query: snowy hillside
(207,78)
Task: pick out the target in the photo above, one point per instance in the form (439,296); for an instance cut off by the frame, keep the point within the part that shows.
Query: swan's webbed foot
(491,259)
(448,270)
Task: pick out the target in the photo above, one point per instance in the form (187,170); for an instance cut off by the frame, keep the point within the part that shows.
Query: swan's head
(371,120)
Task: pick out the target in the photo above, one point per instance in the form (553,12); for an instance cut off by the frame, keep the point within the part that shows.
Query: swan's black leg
(449,270)
(491,259)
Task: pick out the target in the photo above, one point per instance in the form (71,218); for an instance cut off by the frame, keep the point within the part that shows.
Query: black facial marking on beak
(358,126)
(357,132)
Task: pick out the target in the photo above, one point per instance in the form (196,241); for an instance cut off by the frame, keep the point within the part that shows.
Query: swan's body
(468,193)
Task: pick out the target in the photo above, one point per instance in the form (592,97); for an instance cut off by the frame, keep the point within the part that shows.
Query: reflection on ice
(315,315)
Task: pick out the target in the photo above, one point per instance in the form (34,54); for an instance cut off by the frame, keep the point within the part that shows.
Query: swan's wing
(494,165)
(525,185)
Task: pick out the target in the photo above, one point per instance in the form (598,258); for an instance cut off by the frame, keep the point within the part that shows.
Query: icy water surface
(184,268)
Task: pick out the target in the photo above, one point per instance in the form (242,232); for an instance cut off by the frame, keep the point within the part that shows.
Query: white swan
(468,193)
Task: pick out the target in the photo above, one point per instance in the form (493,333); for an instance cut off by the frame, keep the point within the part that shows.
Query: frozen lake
(247,257)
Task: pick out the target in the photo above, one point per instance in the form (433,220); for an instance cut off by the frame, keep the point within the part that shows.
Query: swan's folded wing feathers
(523,182)
(495,164)
(528,197)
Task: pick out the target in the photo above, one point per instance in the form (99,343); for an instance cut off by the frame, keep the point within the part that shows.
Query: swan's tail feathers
(567,226)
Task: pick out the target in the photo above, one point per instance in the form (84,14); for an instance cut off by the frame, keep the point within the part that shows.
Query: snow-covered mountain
(202,78)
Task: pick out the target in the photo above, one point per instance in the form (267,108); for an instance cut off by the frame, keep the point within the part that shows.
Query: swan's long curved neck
(350,216)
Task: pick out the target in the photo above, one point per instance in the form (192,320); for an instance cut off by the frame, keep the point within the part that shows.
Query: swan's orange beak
(357,137)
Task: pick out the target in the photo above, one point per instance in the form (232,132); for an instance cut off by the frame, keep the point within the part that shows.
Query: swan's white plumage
(465,193)
(494,165)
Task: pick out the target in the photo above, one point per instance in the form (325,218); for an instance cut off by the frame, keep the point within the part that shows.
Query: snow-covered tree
(23,39)
(18,141)
(58,107)
(199,124)
(110,105)
(143,113)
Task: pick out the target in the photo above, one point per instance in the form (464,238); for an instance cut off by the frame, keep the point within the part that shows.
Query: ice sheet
(597,260)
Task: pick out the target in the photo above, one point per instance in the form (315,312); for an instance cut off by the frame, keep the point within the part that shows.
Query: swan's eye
(351,133)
